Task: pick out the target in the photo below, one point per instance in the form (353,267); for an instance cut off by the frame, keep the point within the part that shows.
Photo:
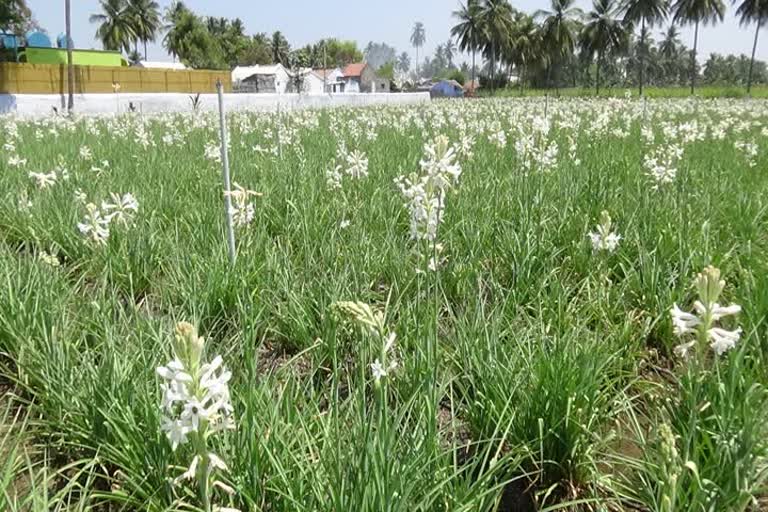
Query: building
(360,77)
(150,64)
(313,82)
(332,79)
(269,79)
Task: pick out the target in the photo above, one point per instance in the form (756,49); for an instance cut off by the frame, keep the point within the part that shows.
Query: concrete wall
(43,104)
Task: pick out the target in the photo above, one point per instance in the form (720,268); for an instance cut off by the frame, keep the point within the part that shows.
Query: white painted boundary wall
(43,104)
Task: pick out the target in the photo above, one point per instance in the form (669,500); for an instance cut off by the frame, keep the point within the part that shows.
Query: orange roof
(354,69)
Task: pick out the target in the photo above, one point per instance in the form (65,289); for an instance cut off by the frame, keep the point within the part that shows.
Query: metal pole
(70,67)
(325,69)
(225,173)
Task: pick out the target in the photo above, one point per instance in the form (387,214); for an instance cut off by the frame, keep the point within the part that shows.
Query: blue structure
(61,41)
(9,41)
(38,40)
(447,89)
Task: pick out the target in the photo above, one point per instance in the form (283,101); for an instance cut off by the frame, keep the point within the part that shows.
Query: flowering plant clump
(242,209)
(196,405)
(425,192)
(701,326)
(661,164)
(373,323)
(604,239)
(351,163)
(122,208)
(95,226)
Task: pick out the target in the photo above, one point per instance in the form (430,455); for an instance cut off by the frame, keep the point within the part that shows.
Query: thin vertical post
(225,173)
(70,65)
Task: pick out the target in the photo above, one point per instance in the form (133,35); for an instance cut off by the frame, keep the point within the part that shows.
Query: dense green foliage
(532,369)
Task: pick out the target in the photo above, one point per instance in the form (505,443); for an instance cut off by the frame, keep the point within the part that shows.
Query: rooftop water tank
(61,41)
(38,40)
(9,41)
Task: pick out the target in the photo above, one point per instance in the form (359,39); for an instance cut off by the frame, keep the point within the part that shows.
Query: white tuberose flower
(604,239)
(723,340)
(377,370)
(95,226)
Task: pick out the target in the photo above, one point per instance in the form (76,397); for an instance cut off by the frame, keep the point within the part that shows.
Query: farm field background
(705,92)
(477,336)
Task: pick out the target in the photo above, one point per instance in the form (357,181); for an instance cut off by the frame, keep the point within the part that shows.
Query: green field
(707,91)
(466,338)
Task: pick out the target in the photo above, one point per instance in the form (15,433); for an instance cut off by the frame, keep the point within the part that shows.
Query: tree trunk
(597,74)
(752,61)
(70,66)
(693,57)
(473,70)
(642,54)
(145,51)
(417,63)
(493,69)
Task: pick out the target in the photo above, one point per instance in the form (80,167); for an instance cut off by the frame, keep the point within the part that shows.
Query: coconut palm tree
(404,62)
(145,16)
(174,14)
(603,32)
(281,50)
(418,38)
(469,30)
(697,12)
(497,18)
(752,11)
(671,42)
(646,12)
(449,51)
(116,30)
(559,27)
(522,48)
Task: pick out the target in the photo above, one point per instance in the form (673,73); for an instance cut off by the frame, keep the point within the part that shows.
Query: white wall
(42,104)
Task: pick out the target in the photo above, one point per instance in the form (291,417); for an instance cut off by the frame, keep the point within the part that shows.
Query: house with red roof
(360,77)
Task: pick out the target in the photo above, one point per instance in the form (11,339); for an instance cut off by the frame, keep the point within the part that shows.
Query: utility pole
(70,67)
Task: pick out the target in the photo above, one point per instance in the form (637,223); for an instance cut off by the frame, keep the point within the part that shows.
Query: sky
(389,21)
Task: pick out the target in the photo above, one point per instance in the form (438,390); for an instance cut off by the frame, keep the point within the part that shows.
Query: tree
(189,39)
(497,19)
(559,29)
(449,51)
(257,51)
(752,11)
(378,54)
(281,50)
(145,20)
(523,48)
(418,38)
(647,12)
(231,38)
(469,30)
(116,29)
(671,42)
(404,62)
(14,15)
(174,15)
(697,12)
(602,32)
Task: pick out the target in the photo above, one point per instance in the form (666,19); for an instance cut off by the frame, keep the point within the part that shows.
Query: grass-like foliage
(507,304)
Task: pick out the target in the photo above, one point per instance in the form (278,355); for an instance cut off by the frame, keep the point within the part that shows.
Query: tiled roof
(354,69)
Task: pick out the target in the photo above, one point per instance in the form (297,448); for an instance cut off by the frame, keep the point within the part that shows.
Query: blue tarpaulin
(447,89)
